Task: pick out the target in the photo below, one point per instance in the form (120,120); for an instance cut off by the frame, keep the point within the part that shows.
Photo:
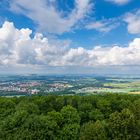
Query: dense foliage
(97,117)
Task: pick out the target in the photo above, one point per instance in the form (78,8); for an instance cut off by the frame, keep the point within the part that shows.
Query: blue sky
(69,33)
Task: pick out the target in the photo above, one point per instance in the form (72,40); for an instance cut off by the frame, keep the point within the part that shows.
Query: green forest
(94,117)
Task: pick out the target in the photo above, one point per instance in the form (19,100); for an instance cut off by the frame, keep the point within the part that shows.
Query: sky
(70,36)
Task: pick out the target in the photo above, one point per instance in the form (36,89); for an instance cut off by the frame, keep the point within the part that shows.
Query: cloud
(119,2)
(133,21)
(48,17)
(17,48)
(103,25)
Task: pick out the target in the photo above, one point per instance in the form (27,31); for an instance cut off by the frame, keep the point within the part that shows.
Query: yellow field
(134,92)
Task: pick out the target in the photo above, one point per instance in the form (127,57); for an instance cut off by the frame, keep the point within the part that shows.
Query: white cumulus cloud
(17,48)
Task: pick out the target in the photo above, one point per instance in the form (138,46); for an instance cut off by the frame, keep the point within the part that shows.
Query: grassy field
(129,86)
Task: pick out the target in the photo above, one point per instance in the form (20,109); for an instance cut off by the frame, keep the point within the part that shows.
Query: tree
(11,125)
(55,116)
(95,115)
(93,131)
(70,132)
(104,106)
(7,106)
(122,125)
(136,111)
(70,115)
(30,107)
(84,109)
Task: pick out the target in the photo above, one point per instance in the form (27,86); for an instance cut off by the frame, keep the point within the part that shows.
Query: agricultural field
(129,86)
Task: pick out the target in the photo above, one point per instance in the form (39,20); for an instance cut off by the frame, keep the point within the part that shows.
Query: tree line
(94,117)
